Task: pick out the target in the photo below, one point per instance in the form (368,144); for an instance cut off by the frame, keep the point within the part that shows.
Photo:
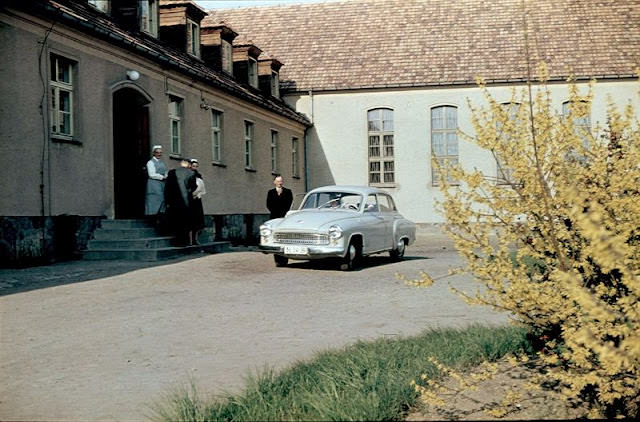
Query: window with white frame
(216,135)
(295,157)
(380,146)
(227,57)
(102,5)
(504,173)
(149,16)
(275,84)
(193,38)
(581,119)
(248,144)
(61,86)
(444,139)
(274,151)
(175,123)
(253,72)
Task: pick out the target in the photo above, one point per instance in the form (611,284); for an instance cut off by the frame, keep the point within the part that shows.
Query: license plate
(296,250)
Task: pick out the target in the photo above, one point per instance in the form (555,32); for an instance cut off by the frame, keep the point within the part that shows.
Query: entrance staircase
(136,240)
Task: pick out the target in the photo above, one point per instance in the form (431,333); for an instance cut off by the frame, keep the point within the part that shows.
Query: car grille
(302,238)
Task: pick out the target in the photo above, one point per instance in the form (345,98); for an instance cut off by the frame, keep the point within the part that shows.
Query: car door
(373,228)
(388,214)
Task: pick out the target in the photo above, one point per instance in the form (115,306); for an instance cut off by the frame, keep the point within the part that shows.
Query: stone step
(119,234)
(124,224)
(143,243)
(153,254)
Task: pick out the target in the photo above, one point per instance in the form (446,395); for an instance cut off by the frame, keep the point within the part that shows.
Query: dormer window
(268,76)
(101,5)
(149,16)
(253,72)
(227,57)
(193,38)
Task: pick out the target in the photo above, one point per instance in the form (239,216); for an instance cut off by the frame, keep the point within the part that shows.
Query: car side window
(385,203)
(371,205)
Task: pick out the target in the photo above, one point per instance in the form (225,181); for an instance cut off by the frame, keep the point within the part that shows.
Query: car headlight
(265,230)
(335,232)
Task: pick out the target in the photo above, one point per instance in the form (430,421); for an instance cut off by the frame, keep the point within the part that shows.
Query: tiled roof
(382,43)
(87,19)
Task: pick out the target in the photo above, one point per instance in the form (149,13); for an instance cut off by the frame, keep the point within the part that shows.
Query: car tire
(352,257)
(281,261)
(397,253)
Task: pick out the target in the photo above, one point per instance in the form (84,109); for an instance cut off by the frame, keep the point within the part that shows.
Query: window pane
(451,118)
(65,101)
(388,145)
(452,144)
(437,143)
(436,118)
(374,146)
(387,120)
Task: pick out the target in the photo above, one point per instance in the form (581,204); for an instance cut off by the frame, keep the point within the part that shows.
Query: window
(274,151)
(193,38)
(61,86)
(380,133)
(581,118)
(149,16)
(102,5)
(248,144)
(504,173)
(175,117)
(386,203)
(295,158)
(371,205)
(253,72)
(275,84)
(216,135)
(444,139)
(227,57)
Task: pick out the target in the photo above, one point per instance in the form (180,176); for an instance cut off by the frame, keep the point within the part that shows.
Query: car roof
(363,190)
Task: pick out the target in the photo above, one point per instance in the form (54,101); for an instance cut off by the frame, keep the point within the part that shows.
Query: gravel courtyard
(103,340)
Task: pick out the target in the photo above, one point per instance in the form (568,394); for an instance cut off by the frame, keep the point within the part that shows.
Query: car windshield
(333,201)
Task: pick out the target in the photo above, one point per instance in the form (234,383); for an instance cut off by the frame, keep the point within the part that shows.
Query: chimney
(180,25)
(217,50)
(268,76)
(245,63)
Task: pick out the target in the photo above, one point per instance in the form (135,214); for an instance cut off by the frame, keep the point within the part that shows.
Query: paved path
(103,340)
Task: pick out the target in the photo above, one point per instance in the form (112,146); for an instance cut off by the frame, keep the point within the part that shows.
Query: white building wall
(337,145)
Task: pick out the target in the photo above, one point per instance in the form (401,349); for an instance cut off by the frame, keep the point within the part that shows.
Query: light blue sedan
(346,222)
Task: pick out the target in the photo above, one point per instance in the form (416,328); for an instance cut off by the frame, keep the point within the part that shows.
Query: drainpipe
(306,135)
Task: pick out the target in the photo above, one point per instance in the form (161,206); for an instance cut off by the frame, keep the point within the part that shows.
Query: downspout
(306,135)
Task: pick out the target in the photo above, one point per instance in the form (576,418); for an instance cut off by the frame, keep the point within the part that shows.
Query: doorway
(130,152)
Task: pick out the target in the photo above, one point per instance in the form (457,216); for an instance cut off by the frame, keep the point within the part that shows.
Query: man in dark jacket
(279,199)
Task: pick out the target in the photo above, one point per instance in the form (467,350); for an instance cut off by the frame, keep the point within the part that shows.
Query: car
(344,222)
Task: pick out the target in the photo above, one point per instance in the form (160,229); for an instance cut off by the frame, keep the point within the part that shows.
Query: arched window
(504,173)
(380,146)
(444,138)
(580,112)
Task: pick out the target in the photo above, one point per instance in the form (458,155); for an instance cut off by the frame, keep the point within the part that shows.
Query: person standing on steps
(197,212)
(181,183)
(279,199)
(154,198)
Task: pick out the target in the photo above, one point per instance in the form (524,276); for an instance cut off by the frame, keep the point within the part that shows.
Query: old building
(88,86)
(386,82)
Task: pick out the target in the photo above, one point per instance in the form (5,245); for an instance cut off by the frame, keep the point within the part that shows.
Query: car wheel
(281,261)
(351,258)
(397,253)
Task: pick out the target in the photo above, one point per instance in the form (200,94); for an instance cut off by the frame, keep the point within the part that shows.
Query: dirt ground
(472,405)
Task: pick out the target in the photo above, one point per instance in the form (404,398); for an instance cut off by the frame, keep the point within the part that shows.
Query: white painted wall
(337,145)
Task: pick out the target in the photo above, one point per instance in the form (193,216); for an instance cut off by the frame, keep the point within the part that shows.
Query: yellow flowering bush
(557,243)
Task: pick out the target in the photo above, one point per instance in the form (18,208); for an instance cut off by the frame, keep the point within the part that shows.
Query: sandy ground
(103,340)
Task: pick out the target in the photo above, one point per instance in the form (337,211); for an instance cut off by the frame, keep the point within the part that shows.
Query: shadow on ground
(21,280)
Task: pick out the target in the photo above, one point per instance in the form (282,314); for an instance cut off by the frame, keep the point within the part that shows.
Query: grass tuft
(364,381)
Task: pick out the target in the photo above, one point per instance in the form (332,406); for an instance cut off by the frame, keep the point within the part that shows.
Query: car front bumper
(313,251)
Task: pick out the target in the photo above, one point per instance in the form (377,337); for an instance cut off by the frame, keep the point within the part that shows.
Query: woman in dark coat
(178,191)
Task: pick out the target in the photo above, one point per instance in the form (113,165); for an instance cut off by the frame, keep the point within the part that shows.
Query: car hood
(313,219)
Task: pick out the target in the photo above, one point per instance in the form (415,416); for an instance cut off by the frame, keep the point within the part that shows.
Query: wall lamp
(132,75)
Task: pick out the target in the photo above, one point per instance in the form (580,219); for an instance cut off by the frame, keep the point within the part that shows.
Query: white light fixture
(132,75)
